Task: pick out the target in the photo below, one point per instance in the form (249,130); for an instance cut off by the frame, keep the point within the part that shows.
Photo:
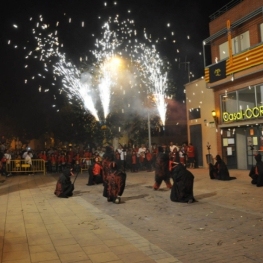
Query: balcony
(242,61)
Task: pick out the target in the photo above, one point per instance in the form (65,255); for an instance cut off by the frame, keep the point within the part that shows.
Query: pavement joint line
(159,255)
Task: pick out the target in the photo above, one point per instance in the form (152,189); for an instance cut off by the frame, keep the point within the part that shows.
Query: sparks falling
(118,42)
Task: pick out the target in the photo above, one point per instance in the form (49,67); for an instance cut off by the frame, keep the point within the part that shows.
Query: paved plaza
(224,225)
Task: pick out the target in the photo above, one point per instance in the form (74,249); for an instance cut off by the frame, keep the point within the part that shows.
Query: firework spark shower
(118,42)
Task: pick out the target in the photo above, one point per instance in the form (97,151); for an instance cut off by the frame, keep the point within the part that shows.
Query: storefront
(241,126)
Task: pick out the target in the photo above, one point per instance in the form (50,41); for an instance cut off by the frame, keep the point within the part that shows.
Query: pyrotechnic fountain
(87,87)
(154,72)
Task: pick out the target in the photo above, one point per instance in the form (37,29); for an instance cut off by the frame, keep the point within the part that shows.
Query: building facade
(235,75)
(202,130)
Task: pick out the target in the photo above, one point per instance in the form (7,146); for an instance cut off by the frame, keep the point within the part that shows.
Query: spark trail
(48,48)
(153,72)
(118,42)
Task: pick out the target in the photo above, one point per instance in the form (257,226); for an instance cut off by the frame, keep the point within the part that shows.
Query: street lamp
(215,117)
(149,131)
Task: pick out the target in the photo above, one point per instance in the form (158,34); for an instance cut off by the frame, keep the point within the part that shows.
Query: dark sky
(186,18)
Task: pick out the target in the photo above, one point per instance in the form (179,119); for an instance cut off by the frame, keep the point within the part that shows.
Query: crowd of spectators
(128,157)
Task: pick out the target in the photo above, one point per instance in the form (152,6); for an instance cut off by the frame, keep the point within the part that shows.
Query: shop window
(259,95)
(243,104)
(246,98)
(229,102)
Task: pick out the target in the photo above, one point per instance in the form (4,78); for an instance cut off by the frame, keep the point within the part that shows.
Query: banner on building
(217,71)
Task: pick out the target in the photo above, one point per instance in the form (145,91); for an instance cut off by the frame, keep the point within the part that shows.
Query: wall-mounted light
(215,117)
(251,132)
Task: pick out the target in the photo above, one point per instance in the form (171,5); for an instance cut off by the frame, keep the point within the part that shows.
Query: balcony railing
(244,60)
(224,9)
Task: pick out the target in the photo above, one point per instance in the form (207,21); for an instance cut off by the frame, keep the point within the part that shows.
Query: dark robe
(64,187)
(114,184)
(256,173)
(182,190)
(162,170)
(219,171)
(114,179)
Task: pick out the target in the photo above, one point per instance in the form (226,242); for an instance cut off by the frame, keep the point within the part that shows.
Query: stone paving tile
(41,248)
(95,249)
(15,255)
(44,256)
(73,257)
(103,257)
(223,226)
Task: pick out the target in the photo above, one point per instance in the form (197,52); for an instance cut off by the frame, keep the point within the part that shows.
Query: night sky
(188,20)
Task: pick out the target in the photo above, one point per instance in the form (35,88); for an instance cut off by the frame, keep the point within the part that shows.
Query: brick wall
(237,12)
(254,33)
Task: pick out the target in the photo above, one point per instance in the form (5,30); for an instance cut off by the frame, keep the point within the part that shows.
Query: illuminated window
(239,43)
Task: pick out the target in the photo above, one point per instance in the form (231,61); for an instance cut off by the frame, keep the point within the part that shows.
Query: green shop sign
(243,114)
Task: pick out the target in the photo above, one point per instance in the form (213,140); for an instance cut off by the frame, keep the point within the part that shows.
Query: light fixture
(215,117)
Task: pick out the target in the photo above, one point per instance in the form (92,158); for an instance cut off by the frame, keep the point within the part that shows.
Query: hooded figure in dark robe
(162,169)
(114,183)
(256,172)
(219,170)
(107,159)
(64,187)
(182,190)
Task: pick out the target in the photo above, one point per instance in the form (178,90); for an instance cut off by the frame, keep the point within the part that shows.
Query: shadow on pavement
(206,195)
(123,199)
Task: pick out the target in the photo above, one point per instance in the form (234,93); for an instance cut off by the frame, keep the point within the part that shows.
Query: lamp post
(149,131)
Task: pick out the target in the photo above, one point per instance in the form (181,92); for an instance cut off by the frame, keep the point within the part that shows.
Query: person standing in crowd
(171,146)
(88,157)
(174,155)
(3,164)
(191,155)
(134,167)
(6,162)
(95,173)
(162,169)
(182,155)
(148,160)
(28,160)
(128,159)
(141,156)
(122,153)
(77,162)
(183,183)
(256,172)
(64,187)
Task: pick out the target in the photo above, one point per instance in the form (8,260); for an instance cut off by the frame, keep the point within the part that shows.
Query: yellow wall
(199,96)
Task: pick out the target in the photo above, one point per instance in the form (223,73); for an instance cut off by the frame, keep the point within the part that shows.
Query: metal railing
(20,166)
(224,9)
(85,164)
